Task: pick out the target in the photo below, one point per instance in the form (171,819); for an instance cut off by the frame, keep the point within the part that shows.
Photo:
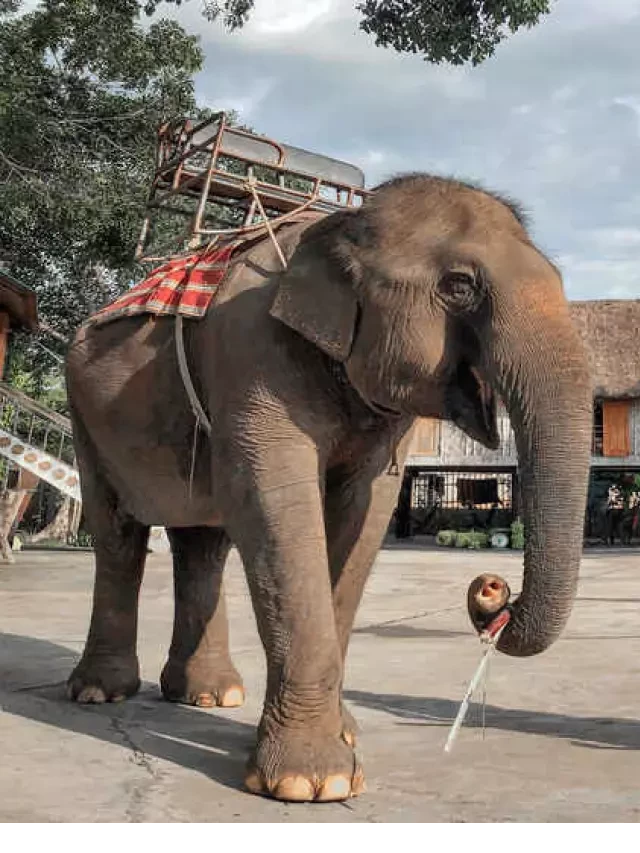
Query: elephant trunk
(543,376)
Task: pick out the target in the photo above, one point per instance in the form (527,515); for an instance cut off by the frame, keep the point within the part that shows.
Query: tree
(453,31)
(83,87)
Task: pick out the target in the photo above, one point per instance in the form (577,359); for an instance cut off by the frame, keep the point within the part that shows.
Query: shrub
(478,540)
(463,540)
(446,538)
(517,535)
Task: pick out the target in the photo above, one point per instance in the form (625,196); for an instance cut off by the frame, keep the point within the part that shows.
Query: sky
(553,119)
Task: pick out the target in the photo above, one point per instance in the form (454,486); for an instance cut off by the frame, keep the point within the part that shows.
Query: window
(459,489)
(611,434)
(616,436)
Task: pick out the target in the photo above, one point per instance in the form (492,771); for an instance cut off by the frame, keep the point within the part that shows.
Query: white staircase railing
(38,440)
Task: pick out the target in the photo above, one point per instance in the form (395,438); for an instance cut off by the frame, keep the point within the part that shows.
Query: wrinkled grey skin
(425,302)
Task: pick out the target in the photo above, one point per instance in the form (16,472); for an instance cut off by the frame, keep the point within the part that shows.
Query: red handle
(497,624)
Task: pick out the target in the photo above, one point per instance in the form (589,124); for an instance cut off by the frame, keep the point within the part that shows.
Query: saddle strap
(196,406)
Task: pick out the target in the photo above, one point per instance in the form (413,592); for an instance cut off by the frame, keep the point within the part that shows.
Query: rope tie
(194,452)
(489,638)
(250,185)
(200,416)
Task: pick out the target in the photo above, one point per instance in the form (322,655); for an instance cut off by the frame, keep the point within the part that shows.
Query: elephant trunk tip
(487,601)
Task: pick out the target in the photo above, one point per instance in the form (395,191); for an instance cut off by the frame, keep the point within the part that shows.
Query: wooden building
(18,310)
(450,476)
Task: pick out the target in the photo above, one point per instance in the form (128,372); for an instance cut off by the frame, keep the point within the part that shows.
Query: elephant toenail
(92,696)
(334,788)
(295,789)
(232,698)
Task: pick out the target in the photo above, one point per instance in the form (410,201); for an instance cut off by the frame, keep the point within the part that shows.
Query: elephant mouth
(386,411)
(471,404)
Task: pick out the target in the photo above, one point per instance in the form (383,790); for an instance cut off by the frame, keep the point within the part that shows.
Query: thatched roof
(611,331)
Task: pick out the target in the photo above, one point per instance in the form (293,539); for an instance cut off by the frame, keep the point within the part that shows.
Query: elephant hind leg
(108,670)
(199,670)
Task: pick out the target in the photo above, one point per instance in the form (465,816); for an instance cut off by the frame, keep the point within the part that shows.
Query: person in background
(615,512)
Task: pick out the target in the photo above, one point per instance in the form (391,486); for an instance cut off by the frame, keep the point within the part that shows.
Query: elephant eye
(460,291)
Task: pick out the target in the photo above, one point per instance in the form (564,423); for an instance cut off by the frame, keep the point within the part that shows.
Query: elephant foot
(205,687)
(301,768)
(96,680)
(350,728)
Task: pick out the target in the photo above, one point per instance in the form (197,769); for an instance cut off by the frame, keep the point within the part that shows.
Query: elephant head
(436,301)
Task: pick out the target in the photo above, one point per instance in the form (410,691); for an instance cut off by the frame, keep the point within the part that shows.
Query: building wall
(440,444)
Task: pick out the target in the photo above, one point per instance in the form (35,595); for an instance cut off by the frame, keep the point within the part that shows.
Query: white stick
(464,707)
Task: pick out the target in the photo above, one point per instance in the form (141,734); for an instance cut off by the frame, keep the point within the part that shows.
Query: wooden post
(29,483)
(5,325)
(9,502)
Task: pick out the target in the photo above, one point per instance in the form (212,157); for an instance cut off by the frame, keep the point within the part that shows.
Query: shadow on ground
(588,732)
(33,674)
(401,631)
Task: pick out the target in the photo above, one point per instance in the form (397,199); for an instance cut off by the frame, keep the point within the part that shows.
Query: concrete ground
(562,730)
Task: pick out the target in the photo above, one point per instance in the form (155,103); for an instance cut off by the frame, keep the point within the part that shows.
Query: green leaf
(445,31)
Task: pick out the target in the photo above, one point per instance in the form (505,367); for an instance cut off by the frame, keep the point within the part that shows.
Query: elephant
(428,300)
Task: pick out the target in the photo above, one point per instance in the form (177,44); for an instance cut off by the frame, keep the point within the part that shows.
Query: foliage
(82,540)
(478,540)
(37,374)
(83,87)
(467,30)
(517,535)
(446,538)
(462,540)
(440,30)
(234,13)
(473,539)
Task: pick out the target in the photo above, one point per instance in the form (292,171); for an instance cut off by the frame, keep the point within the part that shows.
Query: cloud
(287,17)
(244,99)
(552,119)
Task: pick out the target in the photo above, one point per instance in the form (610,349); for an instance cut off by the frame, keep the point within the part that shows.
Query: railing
(201,185)
(36,439)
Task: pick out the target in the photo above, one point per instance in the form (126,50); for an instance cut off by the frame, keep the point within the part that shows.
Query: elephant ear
(315,296)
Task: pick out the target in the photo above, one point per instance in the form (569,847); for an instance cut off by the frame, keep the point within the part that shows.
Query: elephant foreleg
(300,754)
(199,670)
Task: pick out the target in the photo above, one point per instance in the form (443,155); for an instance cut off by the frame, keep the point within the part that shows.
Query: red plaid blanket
(183,285)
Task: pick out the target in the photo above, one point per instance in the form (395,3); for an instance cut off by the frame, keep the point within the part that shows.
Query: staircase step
(53,471)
